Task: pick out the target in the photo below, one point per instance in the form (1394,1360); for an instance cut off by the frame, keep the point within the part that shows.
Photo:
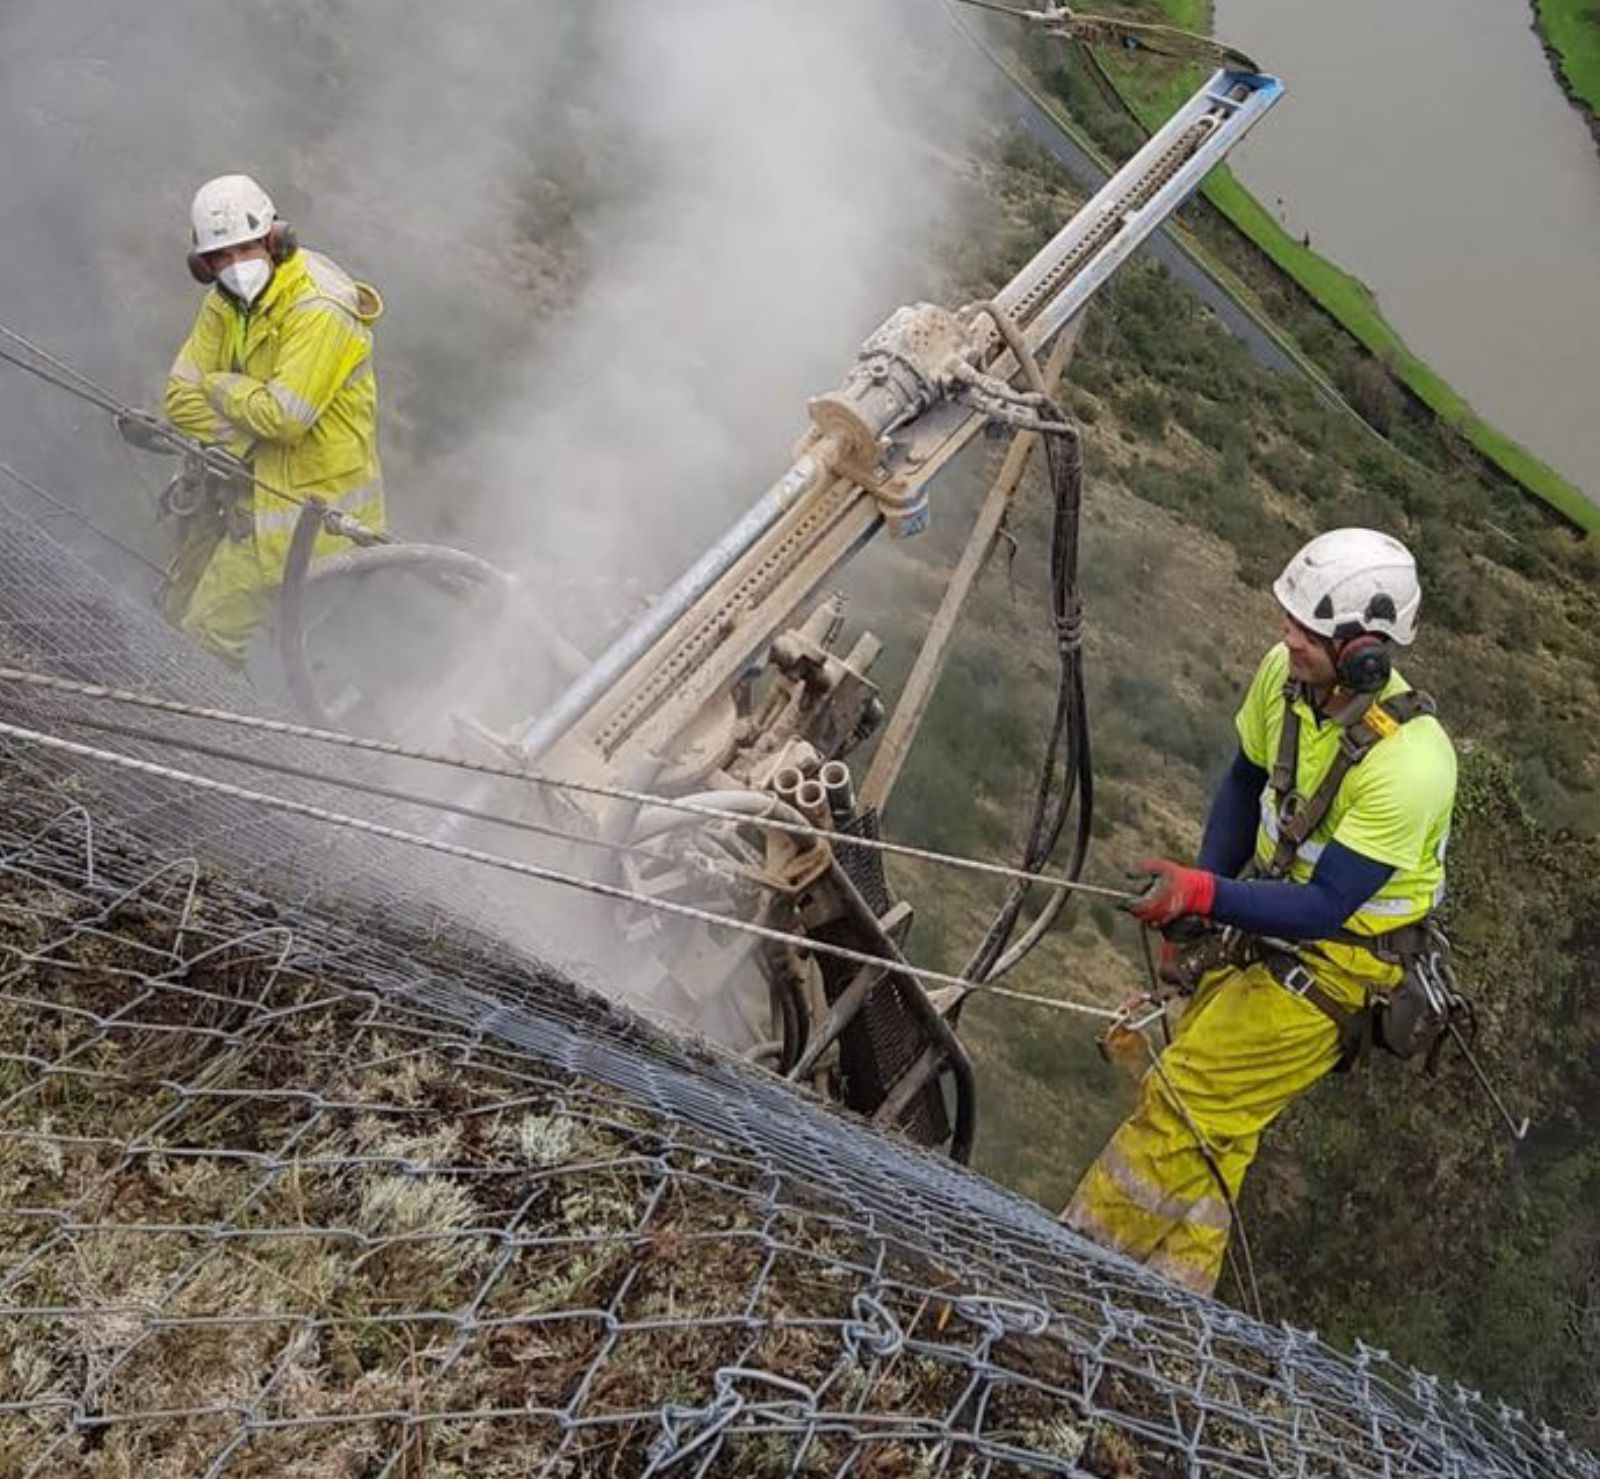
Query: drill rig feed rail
(727,683)
(874,446)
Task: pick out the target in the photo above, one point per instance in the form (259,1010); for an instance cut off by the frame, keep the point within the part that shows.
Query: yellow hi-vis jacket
(288,385)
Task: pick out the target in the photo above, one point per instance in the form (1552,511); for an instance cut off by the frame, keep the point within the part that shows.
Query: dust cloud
(620,243)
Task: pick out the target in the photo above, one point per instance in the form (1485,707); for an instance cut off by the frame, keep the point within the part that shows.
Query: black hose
(294,636)
(1066,774)
(291,615)
(781,970)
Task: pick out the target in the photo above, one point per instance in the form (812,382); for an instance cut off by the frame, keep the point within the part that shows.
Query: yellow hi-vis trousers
(1244,1050)
(221,594)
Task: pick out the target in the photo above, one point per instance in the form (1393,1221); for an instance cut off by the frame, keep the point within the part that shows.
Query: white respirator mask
(246,279)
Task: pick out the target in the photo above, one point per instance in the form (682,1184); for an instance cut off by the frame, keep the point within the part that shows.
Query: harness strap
(1365,723)
(1291,973)
(1392,946)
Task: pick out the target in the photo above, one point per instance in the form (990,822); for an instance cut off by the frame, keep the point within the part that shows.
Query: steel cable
(512,865)
(342,782)
(85,388)
(343,740)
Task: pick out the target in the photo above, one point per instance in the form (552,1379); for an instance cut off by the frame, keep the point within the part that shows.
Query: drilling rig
(739,690)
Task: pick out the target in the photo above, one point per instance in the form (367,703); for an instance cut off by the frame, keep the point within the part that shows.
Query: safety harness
(1405,1021)
(1366,721)
(1426,1009)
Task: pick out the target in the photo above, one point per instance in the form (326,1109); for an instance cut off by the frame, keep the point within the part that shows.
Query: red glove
(1174,891)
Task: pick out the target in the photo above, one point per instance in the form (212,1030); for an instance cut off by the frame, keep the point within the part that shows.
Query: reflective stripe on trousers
(1244,1051)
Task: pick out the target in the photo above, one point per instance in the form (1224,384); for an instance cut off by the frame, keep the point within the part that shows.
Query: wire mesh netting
(58,616)
(296,1179)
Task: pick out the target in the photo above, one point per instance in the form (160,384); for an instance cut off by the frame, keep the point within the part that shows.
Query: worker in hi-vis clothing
(1323,855)
(278,371)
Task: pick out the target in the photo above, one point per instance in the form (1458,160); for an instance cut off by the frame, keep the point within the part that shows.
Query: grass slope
(1204,473)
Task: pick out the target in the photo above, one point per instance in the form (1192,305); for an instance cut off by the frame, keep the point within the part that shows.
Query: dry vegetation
(245,1215)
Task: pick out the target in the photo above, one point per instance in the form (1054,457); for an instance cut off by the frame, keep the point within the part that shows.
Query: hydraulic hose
(299,573)
(1066,776)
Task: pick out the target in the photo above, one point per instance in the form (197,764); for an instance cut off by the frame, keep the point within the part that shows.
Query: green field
(1572,27)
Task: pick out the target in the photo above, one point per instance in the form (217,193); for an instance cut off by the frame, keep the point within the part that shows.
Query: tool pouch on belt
(1407,1021)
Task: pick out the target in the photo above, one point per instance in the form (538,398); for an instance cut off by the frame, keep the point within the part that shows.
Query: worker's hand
(1173,892)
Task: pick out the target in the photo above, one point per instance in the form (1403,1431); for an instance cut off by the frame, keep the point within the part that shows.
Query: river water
(1427,147)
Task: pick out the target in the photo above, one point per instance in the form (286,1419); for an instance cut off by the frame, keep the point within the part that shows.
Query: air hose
(1065,784)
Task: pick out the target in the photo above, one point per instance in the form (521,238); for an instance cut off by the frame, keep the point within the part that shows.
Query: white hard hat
(229,210)
(1350,581)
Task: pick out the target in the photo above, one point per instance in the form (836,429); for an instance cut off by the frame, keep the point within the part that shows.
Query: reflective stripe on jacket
(289,385)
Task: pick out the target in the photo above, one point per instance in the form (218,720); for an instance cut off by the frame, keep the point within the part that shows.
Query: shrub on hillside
(1371,390)
(1146,411)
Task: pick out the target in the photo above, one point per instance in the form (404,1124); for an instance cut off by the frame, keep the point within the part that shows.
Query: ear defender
(200,270)
(1364,664)
(282,241)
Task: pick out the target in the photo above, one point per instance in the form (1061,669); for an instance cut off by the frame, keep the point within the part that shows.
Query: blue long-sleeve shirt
(1230,836)
(1340,884)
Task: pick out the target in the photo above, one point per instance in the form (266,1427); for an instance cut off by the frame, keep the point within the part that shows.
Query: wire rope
(534,871)
(344,783)
(343,740)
